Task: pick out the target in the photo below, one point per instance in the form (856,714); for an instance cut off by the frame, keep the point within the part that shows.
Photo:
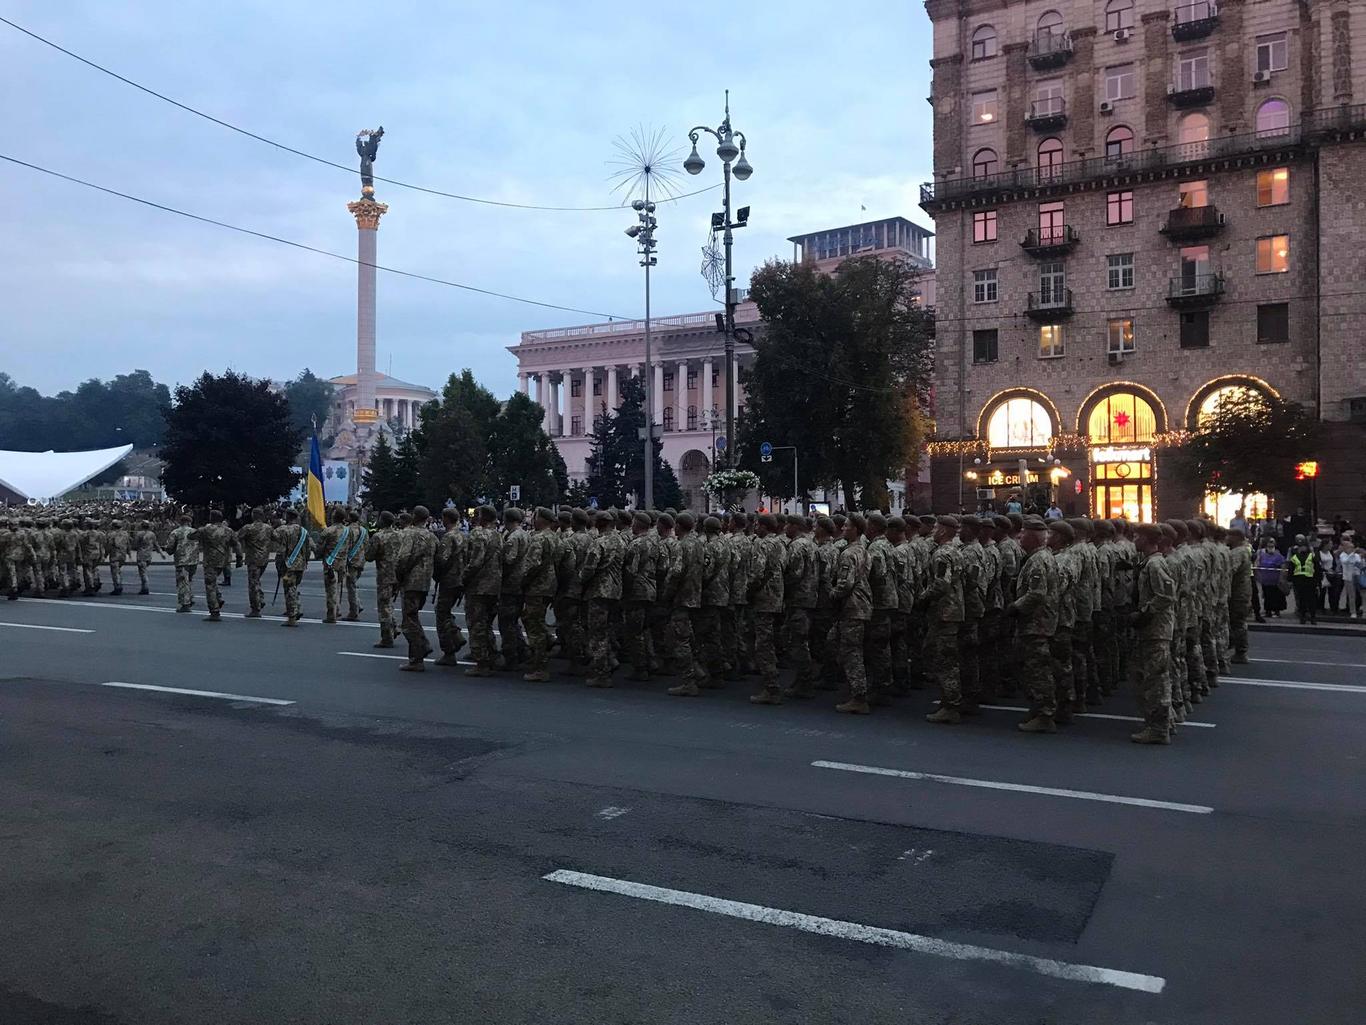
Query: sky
(517,102)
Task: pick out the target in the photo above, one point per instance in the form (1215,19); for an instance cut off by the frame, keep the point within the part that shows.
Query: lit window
(1120,336)
(1193,130)
(1273,118)
(1019,423)
(1119,270)
(985,108)
(1119,207)
(1119,141)
(1052,227)
(1192,70)
(984,163)
(1120,83)
(1050,341)
(1121,419)
(1273,52)
(984,226)
(1273,323)
(984,346)
(984,43)
(1050,158)
(1193,194)
(1232,393)
(1273,254)
(1119,14)
(1273,187)
(984,286)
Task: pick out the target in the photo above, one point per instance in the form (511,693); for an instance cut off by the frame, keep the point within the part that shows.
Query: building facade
(397,403)
(1141,205)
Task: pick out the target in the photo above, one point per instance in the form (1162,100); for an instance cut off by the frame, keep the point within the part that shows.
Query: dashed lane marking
(1022,788)
(612,812)
(199,693)
(196,610)
(375,654)
(1306,662)
(1099,715)
(1344,688)
(861,933)
(55,629)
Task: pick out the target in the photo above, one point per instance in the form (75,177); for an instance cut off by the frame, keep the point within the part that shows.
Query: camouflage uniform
(667,553)
(944,619)
(292,542)
(801,581)
(539,583)
(765,595)
(413,576)
(715,606)
(118,543)
(569,612)
(254,539)
(638,598)
(683,593)
(1239,599)
(1084,606)
(877,641)
(355,566)
(216,541)
(331,546)
(184,549)
(1178,569)
(825,671)
(382,550)
(1155,627)
(1064,670)
(449,571)
(601,579)
(483,580)
(91,547)
(1035,612)
(736,638)
(1010,556)
(144,544)
(514,646)
(9,546)
(975,587)
(1105,631)
(852,600)
(903,563)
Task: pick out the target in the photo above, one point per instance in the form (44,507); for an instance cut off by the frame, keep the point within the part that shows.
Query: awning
(46,475)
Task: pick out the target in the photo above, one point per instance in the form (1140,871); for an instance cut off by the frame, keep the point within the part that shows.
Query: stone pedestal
(367,213)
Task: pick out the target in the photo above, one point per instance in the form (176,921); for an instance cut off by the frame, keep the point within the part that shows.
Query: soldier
(1104,630)
(852,600)
(801,581)
(254,539)
(91,548)
(515,542)
(683,597)
(638,596)
(1154,621)
(539,583)
(449,570)
(34,567)
(355,564)
(1060,538)
(661,625)
(1034,613)
(144,544)
(1240,594)
(117,545)
(877,639)
(569,610)
(1216,538)
(736,636)
(483,582)
(1181,703)
(184,549)
(825,672)
(332,546)
(216,542)
(1010,557)
(413,576)
(382,549)
(765,597)
(922,551)
(943,600)
(975,587)
(1189,570)
(903,565)
(291,540)
(1085,603)
(601,579)
(715,601)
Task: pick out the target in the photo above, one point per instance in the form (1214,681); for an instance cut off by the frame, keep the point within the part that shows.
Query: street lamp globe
(742,168)
(694,163)
(727,150)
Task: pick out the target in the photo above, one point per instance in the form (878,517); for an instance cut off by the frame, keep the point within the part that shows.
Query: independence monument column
(367,213)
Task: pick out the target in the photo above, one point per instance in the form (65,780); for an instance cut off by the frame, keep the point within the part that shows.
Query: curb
(1323,629)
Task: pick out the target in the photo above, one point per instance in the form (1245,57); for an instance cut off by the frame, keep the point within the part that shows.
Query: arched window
(692,418)
(1194,128)
(1050,158)
(1119,14)
(1121,419)
(668,418)
(1273,118)
(983,42)
(1020,422)
(984,163)
(1119,141)
(1050,24)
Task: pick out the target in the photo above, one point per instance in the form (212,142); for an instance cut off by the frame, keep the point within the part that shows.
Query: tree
(840,370)
(616,461)
(454,443)
(390,481)
(229,441)
(521,453)
(310,398)
(1249,442)
(126,410)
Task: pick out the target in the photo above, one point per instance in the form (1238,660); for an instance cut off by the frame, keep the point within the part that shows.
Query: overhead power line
(303,246)
(313,156)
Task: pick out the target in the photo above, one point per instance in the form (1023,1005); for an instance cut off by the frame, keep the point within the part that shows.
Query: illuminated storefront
(1121,428)
(1223,507)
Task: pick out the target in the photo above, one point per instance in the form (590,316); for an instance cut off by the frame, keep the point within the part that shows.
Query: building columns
(555,404)
(681,396)
(612,389)
(543,397)
(588,376)
(657,405)
(522,383)
(706,389)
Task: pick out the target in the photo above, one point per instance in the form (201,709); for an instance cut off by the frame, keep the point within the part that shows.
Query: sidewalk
(1328,626)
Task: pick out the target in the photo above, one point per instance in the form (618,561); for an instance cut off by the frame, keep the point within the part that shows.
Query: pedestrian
(1330,584)
(1052,512)
(1305,573)
(1272,580)
(1353,576)
(413,573)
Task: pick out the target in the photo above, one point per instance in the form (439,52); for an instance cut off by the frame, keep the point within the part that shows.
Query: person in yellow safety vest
(1304,573)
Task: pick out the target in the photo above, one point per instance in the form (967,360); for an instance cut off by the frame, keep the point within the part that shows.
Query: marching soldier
(1240,594)
(975,587)
(601,579)
(483,582)
(449,572)
(184,549)
(661,622)
(413,574)
(332,547)
(903,563)
(216,542)
(291,541)
(765,596)
(144,544)
(1060,537)
(877,642)
(91,549)
(254,540)
(539,583)
(852,601)
(943,599)
(1154,622)
(1034,613)
(683,597)
(355,565)
(801,581)
(515,541)
(824,565)
(638,596)
(117,545)
(737,636)
(382,549)
(715,602)
(569,611)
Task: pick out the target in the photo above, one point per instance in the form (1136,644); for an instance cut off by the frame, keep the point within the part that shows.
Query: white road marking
(199,693)
(1306,662)
(1296,685)
(57,629)
(196,611)
(612,812)
(1099,715)
(862,933)
(988,784)
(401,658)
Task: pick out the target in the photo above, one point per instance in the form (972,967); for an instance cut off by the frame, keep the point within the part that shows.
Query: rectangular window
(984,346)
(1052,283)
(1195,329)
(1120,83)
(1194,269)
(1050,341)
(984,107)
(1119,207)
(1051,223)
(984,226)
(1273,323)
(1273,187)
(669,381)
(1120,336)
(984,286)
(692,380)
(1119,271)
(575,388)
(1273,254)
(1192,70)
(597,386)
(576,425)
(1273,52)
(1119,15)
(1193,194)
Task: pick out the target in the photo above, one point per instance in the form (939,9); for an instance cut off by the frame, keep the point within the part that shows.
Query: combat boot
(116,592)
(1152,735)
(213,617)
(330,619)
(385,642)
(1038,724)
(685,690)
(1239,658)
(412,667)
(350,619)
(854,706)
(144,591)
(253,615)
(970,708)
(444,660)
(478,671)
(945,714)
(800,690)
(291,621)
(766,697)
(536,676)
(1179,713)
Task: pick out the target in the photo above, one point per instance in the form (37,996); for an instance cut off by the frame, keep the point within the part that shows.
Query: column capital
(367,213)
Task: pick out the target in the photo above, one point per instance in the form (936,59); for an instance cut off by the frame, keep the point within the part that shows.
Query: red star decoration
(1121,419)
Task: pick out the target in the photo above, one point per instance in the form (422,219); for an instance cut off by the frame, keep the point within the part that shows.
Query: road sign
(593,503)
(765,459)
(720,443)
(766,449)
(515,492)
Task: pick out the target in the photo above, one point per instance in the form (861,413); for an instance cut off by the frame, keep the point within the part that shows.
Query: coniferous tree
(616,462)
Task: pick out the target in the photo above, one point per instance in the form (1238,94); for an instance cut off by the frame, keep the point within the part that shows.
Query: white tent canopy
(46,475)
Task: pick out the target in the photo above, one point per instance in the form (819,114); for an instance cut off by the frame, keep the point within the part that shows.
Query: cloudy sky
(517,101)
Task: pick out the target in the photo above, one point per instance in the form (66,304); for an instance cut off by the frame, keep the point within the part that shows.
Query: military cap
(1168,531)
(768,520)
(1196,527)
(513,515)
(876,519)
(544,514)
(654,516)
(737,519)
(1179,528)
(1235,533)
(1016,520)
(826,524)
(671,511)
(970,521)
(1032,523)
(711,525)
(795,520)
(1063,529)
(1151,531)
(896,523)
(665,521)
(1215,531)
(1000,522)
(928,520)
(641,519)
(839,519)
(604,519)
(685,519)
(386,518)
(566,517)
(947,521)
(856,521)
(1103,528)
(580,517)
(624,518)
(1081,525)
(487,512)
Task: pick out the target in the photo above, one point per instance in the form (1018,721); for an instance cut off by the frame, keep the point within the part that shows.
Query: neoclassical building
(397,402)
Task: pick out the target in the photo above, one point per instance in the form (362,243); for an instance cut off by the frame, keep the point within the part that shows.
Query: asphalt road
(383,847)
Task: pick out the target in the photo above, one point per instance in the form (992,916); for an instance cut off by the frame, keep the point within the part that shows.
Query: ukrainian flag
(314,486)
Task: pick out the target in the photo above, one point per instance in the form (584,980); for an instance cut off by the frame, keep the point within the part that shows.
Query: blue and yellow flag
(313,484)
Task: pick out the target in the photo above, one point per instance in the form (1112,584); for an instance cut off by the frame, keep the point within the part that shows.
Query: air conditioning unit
(986,494)
(1122,34)
(1261,77)
(1106,107)
(1171,89)
(1116,358)
(1356,409)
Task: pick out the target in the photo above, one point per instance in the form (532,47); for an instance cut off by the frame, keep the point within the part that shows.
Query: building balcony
(1050,241)
(1194,21)
(1186,223)
(1050,50)
(1051,306)
(1195,290)
(1191,94)
(1048,114)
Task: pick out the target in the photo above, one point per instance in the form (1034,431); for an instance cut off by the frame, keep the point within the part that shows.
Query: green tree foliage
(228,441)
(841,369)
(390,479)
(521,453)
(616,461)
(1250,442)
(98,414)
(309,397)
